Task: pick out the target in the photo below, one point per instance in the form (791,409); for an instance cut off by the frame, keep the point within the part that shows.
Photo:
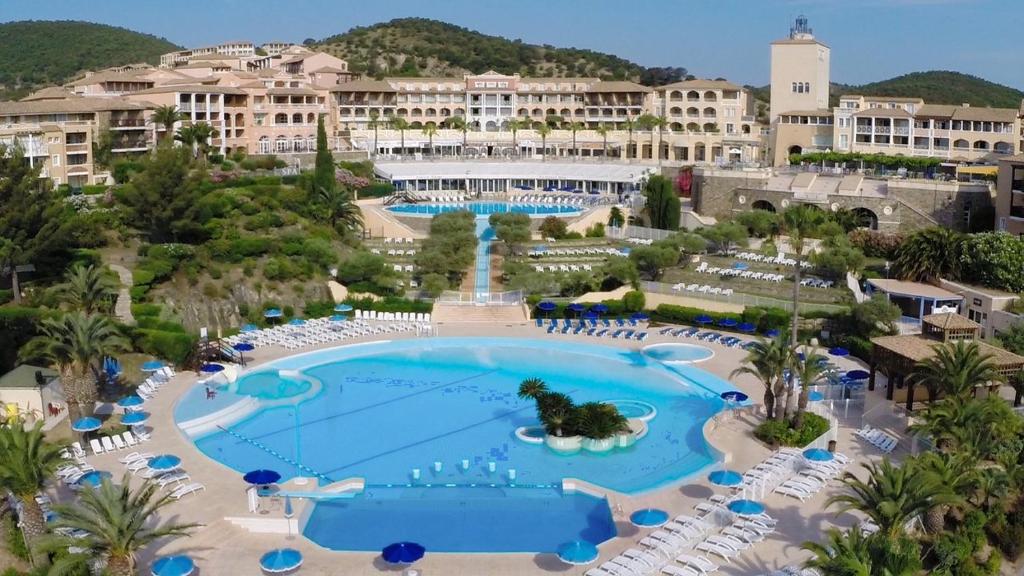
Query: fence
(741,298)
(511,298)
(640,232)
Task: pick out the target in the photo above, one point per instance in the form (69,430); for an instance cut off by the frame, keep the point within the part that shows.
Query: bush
(13,538)
(1007,532)
(376,190)
(633,301)
(215,158)
(595,231)
(142,277)
(173,346)
(434,284)
(764,318)
(554,227)
(139,292)
(774,433)
(875,244)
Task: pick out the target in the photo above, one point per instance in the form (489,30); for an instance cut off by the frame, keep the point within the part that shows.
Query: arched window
(281,144)
(709,112)
(675,111)
(298,144)
(692,112)
(297,118)
(693,96)
(264,145)
(675,95)
(310,118)
(709,96)
(280,119)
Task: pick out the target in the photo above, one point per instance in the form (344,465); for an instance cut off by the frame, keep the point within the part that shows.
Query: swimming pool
(676,352)
(485,209)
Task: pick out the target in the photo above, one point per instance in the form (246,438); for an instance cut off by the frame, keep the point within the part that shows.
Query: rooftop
(506,170)
(24,377)
(950,321)
(917,348)
(917,289)
(69,105)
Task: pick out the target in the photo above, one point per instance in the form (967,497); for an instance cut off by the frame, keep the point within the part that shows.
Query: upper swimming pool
(485,208)
(445,411)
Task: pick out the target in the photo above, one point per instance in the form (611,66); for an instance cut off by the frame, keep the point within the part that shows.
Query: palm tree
(575,127)
(956,369)
(603,130)
(659,122)
(118,522)
(929,254)
(375,124)
(798,222)
(543,130)
(958,472)
(202,133)
(532,388)
(892,495)
(630,124)
(27,462)
(459,123)
(856,553)
(338,207)
(555,411)
(809,372)
(400,124)
(599,420)
(187,136)
(166,116)
(429,130)
(978,426)
(87,288)
(514,125)
(767,360)
(75,344)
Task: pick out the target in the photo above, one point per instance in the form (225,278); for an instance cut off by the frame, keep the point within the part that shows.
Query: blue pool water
(674,352)
(482,276)
(461,520)
(484,208)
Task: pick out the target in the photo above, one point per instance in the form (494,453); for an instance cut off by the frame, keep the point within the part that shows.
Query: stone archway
(795,149)
(866,217)
(763,205)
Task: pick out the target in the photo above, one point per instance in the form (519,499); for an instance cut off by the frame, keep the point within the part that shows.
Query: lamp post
(887,266)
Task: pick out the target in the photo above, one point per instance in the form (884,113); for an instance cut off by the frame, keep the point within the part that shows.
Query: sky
(870,39)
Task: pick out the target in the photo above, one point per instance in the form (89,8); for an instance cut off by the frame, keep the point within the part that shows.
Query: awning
(980,170)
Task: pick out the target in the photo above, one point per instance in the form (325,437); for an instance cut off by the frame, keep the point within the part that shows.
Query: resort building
(234,49)
(991,309)
(31,391)
(800,66)
(1010,195)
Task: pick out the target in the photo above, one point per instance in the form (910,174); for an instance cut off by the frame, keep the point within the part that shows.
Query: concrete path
(123,306)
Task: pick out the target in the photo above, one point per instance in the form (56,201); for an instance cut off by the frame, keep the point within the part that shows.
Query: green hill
(422,47)
(41,53)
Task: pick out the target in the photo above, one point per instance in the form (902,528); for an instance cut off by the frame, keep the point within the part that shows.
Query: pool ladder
(277,455)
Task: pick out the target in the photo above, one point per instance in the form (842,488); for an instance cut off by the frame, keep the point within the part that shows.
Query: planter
(531,434)
(599,445)
(564,444)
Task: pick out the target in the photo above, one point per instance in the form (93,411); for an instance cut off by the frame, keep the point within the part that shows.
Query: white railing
(511,298)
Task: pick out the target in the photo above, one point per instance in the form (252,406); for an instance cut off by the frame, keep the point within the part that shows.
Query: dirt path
(123,306)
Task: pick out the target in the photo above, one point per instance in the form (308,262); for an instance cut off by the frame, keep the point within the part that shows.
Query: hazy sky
(870,39)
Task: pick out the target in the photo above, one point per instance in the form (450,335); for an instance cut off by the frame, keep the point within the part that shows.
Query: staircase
(457,313)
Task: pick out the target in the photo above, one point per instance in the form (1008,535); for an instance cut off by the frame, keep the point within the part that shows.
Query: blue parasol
(338,318)
(86,424)
(211,368)
(134,418)
(577,552)
(164,462)
(272,313)
(740,266)
(818,455)
(575,307)
(130,401)
(342,308)
(703,319)
(281,560)
(772,333)
(93,478)
(727,323)
(746,327)
(640,316)
(402,552)
(247,328)
(648,517)
(858,375)
(296,322)
(746,507)
(546,306)
(152,366)
(725,478)
(815,396)
(839,351)
(599,308)
(179,565)
(734,396)
(244,347)
(261,477)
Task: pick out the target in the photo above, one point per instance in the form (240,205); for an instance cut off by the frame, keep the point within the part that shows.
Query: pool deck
(220,547)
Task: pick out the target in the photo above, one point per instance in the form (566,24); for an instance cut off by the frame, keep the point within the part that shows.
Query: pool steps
(226,416)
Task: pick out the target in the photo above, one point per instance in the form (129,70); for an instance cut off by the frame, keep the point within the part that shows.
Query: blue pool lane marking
(274,453)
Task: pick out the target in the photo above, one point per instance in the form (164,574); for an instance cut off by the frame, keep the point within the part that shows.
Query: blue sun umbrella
(337,318)
(725,478)
(640,316)
(734,396)
(281,560)
(858,375)
(588,315)
(247,328)
(211,368)
(93,478)
(575,307)
(272,313)
(648,517)
(727,323)
(839,351)
(402,553)
(746,507)
(746,327)
(261,477)
(86,424)
(740,266)
(547,306)
(818,455)
(152,366)
(130,401)
(815,396)
(134,418)
(244,347)
(342,307)
(703,319)
(773,333)
(164,462)
(179,565)
(577,552)
(296,322)
(599,308)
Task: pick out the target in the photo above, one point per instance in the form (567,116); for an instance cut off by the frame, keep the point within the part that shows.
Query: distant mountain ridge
(42,53)
(423,47)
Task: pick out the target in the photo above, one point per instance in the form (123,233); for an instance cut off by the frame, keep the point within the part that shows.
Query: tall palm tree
(956,369)
(958,472)
(429,130)
(766,360)
(87,288)
(515,125)
(855,553)
(532,388)
(575,127)
(118,522)
(798,222)
(809,372)
(892,496)
(631,125)
(603,130)
(375,124)
(543,130)
(659,123)
(202,133)
(929,254)
(187,136)
(400,124)
(166,116)
(339,208)
(27,462)
(75,344)
(459,123)
(964,424)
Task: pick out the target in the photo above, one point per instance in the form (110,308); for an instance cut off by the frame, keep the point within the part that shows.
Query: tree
(338,208)
(838,258)
(630,124)
(809,371)
(892,495)
(27,462)
(875,316)
(760,223)
(459,123)
(617,271)
(616,219)
(553,227)
(323,165)
(374,123)
(652,260)
(117,521)
(659,123)
(514,126)
(532,388)
(1013,339)
(161,194)
(956,369)
(544,130)
(166,116)
(799,222)
(201,135)
(958,472)
(994,259)
(929,254)
(603,129)
(87,288)
(575,127)
(724,236)
(512,228)
(856,553)
(400,124)
(76,344)
(430,131)
(766,361)
(434,284)
(663,207)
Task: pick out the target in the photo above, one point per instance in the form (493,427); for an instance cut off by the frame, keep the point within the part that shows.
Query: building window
(55,160)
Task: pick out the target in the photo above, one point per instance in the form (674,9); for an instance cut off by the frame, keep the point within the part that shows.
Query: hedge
(151,323)
(18,325)
(390,304)
(174,347)
(376,190)
(775,433)
(765,318)
(140,310)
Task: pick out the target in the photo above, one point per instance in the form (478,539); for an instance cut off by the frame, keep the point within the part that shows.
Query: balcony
(883,130)
(77,148)
(901,131)
(863,129)
(130,146)
(127,123)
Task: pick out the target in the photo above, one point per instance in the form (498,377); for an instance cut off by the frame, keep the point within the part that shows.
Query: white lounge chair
(673,570)
(118,442)
(108,445)
(700,563)
(129,439)
(96,447)
(186,490)
(726,553)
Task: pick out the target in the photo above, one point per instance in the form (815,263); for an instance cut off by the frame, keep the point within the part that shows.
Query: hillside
(935,87)
(422,47)
(40,53)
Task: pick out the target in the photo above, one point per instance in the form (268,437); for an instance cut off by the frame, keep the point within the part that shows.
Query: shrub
(633,301)
(141,310)
(1007,532)
(764,317)
(142,277)
(215,158)
(227,165)
(554,227)
(875,244)
(773,432)
(13,539)
(139,292)
(318,308)
(154,323)
(434,284)
(376,190)
(595,231)
(173,346)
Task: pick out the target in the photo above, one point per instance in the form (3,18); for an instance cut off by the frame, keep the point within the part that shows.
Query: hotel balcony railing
(940,147)
(127,123)
(883,130)
(76,148)
(861,129)
(129,145)
(901,131)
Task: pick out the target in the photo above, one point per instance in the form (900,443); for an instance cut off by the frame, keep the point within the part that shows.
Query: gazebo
(896,356)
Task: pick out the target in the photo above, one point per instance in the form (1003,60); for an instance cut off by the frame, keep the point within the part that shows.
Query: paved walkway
(123,306)
(220,547)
